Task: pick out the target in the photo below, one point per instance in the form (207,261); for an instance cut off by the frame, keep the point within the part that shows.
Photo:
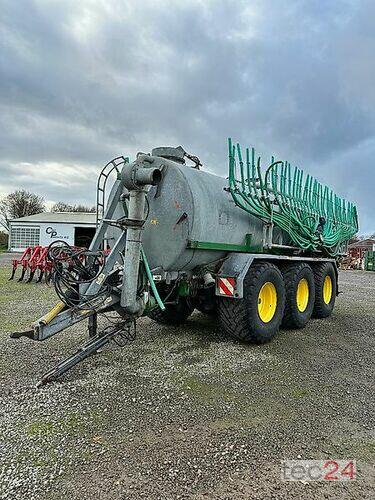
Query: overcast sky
(83,81)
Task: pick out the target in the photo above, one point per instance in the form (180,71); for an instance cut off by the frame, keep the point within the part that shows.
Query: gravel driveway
(183,412)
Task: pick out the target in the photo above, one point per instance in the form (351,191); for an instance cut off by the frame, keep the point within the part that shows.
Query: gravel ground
(184,413)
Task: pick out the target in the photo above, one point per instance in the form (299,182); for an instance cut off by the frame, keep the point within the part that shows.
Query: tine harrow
(22,261)
(35,260)
(43,264)
(40,277)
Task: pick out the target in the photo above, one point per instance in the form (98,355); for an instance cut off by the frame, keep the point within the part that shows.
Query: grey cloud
(84,81)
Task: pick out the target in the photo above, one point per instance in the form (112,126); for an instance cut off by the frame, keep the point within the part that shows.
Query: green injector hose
(315,218)
(151,281)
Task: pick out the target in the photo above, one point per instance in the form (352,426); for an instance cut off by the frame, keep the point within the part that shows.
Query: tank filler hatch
(176,154)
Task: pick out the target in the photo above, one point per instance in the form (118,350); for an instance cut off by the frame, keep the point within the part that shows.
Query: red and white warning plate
(225,286)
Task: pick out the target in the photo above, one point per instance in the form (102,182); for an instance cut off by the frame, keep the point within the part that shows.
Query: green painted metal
(183,289)
(224,247)
(314,217)
(370,261)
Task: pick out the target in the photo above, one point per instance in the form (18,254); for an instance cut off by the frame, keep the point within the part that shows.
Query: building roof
(61,217)
(362,243)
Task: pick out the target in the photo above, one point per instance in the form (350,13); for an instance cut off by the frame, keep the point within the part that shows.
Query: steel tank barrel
(191,205)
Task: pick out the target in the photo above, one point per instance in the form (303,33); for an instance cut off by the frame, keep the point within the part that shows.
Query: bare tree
(60,206)
(20,203)
(84,208)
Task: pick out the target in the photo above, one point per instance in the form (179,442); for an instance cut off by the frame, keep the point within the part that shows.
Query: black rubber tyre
(294,274)
(240,317)
(174,314)
(322,308)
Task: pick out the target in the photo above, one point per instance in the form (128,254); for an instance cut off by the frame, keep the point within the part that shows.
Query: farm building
(358,249)
(76,228)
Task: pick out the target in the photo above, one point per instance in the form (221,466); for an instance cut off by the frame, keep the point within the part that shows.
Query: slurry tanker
(256,250)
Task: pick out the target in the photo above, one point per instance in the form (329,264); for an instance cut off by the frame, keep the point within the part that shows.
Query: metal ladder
(113,165)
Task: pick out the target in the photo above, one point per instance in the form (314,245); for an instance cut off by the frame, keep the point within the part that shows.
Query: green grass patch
(300,393)
(206,391)
(41,429)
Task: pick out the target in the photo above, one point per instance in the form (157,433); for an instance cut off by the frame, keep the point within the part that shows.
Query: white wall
(54,231)
(50,232)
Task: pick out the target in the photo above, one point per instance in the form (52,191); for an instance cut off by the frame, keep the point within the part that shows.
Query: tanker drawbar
(256,251)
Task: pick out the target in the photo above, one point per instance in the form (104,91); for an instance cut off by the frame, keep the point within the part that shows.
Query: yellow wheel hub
(327,290)
(267,302)
(302,294)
